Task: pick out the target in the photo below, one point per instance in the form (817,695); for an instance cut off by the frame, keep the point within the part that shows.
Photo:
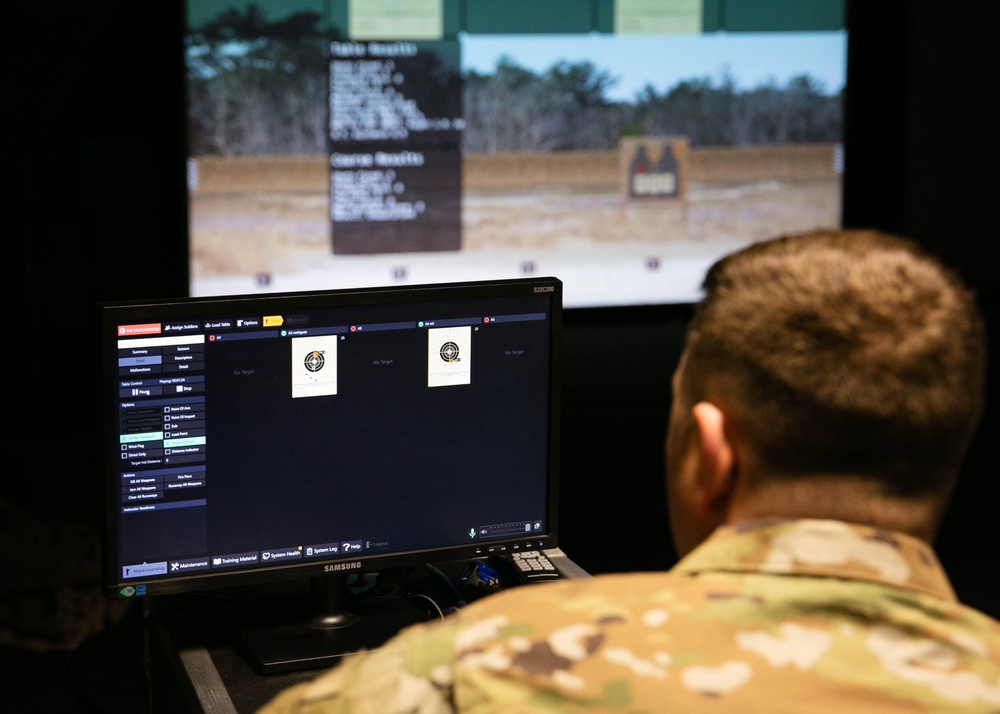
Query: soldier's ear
(716,473)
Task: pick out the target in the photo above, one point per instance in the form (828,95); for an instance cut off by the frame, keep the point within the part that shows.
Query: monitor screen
(290,436)
(622,146)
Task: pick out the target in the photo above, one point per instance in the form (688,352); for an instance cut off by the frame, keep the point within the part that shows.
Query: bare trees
(565,108)
(256,87)
(514,109)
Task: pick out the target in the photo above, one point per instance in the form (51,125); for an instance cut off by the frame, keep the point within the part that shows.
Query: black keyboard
(533,566)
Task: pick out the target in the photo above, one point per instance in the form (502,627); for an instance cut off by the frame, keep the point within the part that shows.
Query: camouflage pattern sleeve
(814,616)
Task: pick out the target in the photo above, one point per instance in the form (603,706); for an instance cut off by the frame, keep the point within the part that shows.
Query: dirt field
(265,215)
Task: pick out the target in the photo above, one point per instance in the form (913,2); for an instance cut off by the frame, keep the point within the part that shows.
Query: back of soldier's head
(846,352)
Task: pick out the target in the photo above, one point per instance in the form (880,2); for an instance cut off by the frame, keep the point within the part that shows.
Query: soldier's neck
(854,500)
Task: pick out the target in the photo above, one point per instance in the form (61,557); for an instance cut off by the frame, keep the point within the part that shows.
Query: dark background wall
(95,211)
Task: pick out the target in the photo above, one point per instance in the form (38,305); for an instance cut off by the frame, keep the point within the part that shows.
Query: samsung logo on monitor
(355,565)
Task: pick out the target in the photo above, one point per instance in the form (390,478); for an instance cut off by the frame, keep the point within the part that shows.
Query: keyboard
(533,566)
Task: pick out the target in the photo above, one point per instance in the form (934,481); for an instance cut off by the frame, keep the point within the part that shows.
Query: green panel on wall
(711,15)
(528,16)
(556,16)
(452,17)
(604,15)
(338,17)
(782,15)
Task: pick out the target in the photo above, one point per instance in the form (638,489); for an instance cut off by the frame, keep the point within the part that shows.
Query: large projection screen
(619,145)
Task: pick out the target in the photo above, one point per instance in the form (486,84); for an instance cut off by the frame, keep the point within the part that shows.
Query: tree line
(256,87)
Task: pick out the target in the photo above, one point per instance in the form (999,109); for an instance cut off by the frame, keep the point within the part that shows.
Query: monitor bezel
(111,314)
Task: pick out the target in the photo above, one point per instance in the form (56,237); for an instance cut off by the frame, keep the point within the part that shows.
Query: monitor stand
(326,631)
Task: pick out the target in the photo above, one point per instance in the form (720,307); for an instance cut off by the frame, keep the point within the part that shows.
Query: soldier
(828,389)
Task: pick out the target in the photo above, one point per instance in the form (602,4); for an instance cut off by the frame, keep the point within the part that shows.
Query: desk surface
(202,671)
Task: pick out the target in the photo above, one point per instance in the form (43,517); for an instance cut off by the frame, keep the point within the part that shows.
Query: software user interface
(267,436)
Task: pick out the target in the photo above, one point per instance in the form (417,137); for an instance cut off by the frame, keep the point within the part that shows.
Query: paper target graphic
(314,366)
(314,361)
(449,356)
(449,352)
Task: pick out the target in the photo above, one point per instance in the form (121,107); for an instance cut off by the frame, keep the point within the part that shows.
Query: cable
(448,584)
(429,599)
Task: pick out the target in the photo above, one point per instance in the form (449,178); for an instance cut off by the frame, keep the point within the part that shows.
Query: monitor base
(326,632)
(297,647)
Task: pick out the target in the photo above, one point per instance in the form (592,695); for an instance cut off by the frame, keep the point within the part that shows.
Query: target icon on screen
(449,352)
(314,361)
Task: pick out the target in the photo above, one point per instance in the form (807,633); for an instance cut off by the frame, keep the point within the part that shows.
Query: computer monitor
(313,435)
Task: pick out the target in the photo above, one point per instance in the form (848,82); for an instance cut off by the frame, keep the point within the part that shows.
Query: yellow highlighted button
(273,320)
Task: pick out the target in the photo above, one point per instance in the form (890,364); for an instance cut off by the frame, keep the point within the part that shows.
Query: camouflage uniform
(804,616)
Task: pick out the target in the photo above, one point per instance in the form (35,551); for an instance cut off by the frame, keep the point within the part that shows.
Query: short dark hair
(842,352)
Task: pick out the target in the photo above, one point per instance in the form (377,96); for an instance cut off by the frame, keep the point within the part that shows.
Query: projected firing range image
(319,163)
